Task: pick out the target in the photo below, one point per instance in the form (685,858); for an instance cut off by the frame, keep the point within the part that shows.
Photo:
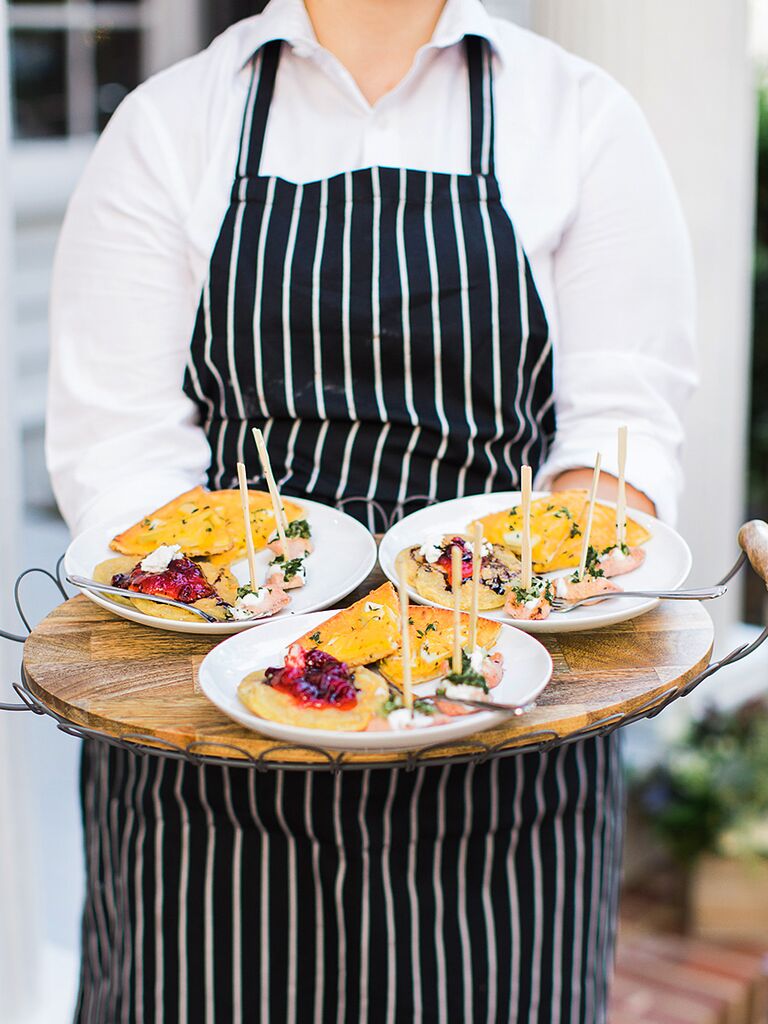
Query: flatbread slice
(227,504)
(603,536)
(190,520)
(552,520)
(363,633)
(431,636)
(275,706)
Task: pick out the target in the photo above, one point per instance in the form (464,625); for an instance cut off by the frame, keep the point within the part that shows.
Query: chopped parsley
(575,531)
(395,703)
(592,567)
(431,627)
(539,588)
(315,637)
(245,591)
(563,512)
(290,568)
(468,676)
(612,547)
(298,528)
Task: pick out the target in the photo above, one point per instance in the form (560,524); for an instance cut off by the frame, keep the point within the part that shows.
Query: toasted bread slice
(363,633)
(431,637)
(552,520)
(228,506)
(603,536)
(276,706)
(190,520)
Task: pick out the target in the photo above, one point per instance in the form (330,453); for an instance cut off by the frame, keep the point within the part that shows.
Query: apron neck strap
(262,87)
(481,116)
(254,130)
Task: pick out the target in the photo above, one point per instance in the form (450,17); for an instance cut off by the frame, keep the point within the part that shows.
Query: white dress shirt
(580,175)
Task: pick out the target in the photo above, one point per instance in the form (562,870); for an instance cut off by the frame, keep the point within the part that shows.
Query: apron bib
(381,326)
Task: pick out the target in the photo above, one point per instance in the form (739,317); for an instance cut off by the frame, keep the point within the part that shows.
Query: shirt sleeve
(624,282)
(121,435)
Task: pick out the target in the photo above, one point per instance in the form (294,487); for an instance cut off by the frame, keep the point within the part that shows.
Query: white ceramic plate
(345,553)
(667,561)
(527,663)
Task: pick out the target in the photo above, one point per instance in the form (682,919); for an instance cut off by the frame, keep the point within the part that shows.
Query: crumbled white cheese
(486,549)
(250,605)
(561,587)
(427,654)
(159,559)
(534,602)
(432,549)
(616,553)
(402,718)
(476,659)
(460,691)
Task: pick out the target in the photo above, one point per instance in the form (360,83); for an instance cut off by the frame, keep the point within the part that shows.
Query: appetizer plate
(528,669)
(345,553)
(667,562)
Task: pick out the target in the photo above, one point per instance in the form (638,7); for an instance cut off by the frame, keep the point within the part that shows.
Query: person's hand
(607,488)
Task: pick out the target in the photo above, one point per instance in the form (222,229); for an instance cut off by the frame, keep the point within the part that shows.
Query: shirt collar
(288,20)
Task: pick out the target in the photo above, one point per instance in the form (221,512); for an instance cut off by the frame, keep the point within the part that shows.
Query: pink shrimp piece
(616,564)
(517,610)
(298,547)
(590,586)
(493,669)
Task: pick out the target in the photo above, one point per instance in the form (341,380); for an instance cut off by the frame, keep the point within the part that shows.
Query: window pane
(39,83)
(118,63)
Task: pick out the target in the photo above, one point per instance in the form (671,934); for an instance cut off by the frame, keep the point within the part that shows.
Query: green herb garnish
(290,568)
(298,528)
(315,637)
(468,676)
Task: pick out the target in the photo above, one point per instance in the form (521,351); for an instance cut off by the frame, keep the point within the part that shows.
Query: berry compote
(183,581)
(314,679)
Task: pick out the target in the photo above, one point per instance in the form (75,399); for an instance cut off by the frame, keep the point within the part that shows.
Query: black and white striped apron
(384,328)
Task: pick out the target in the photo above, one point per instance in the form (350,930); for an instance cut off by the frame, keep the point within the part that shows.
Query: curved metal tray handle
(753,538)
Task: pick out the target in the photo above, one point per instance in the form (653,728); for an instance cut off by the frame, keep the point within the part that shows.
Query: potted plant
(708,802)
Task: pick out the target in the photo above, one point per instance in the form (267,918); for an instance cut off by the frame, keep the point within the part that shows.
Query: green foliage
(711,793)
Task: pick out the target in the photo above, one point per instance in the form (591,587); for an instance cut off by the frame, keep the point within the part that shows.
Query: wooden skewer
(477,565)
(456,577)
(402,587)
(277,504)
(590,517)
(526,484)
(621,498)
(242,479)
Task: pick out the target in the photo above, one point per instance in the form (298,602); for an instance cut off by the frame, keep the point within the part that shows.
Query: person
(419,247)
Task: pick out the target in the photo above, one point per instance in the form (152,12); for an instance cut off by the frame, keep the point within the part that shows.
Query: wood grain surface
(102,672)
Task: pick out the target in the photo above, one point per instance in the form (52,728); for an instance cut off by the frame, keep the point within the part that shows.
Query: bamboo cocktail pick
(456,578)
(621,497)
(590,517)
(402,587)
(242,479)
(277,504)
(526,485)
(477,565)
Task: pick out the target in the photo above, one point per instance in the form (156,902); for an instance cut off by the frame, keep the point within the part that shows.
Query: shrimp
(614,562)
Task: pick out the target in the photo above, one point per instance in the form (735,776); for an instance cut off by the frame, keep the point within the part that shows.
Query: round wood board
(118,678)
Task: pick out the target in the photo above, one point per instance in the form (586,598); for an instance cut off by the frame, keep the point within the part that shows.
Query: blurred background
(699,68)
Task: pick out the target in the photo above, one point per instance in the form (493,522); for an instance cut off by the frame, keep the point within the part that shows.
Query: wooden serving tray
(120,679)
